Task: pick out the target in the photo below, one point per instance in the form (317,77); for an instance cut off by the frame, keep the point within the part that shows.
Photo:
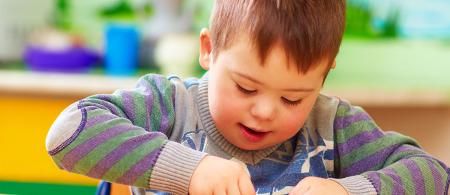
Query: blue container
(122,49)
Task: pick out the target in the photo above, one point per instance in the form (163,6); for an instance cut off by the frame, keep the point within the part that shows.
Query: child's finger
(219,191)
(233,189)
(246,185)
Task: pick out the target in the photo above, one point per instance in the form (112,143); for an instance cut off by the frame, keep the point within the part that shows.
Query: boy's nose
(263,110)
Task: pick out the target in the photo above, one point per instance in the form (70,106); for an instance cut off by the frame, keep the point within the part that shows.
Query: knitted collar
(247,156)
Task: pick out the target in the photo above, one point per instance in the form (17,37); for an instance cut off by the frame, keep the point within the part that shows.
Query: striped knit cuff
(357,185)
(174,168)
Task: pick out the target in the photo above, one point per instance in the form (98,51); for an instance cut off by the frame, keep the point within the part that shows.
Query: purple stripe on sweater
(397,187)
(368,163)
(416,175)
(72,157)
(438,184)
(99,119)
(128,105)
(408,148)
(343,122)
(374,177)
(118,153)
(357,141)
(90,108)
(139,168)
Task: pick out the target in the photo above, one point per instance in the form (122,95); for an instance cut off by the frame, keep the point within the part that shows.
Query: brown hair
(309,30)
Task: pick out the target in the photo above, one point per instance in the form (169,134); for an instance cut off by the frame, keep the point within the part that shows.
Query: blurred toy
(50,50)
(121,49)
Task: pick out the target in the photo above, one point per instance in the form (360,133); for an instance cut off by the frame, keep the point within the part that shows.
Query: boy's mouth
(251,134)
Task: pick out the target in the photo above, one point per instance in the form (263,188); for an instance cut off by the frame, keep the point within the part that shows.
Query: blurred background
(394,61)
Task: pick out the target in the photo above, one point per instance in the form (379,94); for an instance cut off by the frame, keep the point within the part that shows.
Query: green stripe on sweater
(169,104)
(371,148)
(344,110)
(144,179)
(386,184)
(95,113)
(90,160)
(132,158)
(156,110)
(140,110)
(400,155)
(354,129)
(116,99)
(403,172)
(426,173)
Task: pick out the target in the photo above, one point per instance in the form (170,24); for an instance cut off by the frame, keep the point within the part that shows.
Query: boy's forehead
(242,55)
(277,77)
(250,48)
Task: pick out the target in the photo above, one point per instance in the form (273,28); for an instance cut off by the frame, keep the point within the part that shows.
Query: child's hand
(219,176)
(317,185)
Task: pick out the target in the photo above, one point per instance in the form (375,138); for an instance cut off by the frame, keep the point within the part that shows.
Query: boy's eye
(244,90)
(291,102)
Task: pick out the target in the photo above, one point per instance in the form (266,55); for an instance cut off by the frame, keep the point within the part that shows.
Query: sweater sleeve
(369,161)
(122,137)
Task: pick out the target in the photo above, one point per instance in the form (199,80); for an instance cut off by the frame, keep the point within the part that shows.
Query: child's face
(256,106)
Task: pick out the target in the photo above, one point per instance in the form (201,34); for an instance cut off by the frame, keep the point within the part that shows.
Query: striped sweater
(152,137)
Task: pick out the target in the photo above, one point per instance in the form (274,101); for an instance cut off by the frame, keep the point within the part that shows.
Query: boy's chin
(252,146)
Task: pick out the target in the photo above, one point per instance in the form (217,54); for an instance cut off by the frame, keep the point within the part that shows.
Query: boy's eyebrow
(248,77)
(287,89)
(299,89)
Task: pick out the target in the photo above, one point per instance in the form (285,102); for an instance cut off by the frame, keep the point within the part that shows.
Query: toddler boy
(255,123)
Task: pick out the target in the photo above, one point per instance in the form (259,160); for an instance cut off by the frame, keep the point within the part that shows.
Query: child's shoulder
(333,106)
(330,113)
(321,118)
(325,108)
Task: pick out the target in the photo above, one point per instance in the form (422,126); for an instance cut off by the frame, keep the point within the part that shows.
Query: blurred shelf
(58,84)
(392,64)
(382,97)
(392,72)
(80,85)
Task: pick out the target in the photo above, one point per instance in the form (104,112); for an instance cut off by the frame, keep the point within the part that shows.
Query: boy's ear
(205,49)
(333,66)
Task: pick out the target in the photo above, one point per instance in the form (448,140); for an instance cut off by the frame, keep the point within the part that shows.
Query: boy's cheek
(295,119)
(225,107)
(293,123)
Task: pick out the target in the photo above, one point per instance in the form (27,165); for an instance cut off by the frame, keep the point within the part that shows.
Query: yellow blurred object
(119,189)
(24,122)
